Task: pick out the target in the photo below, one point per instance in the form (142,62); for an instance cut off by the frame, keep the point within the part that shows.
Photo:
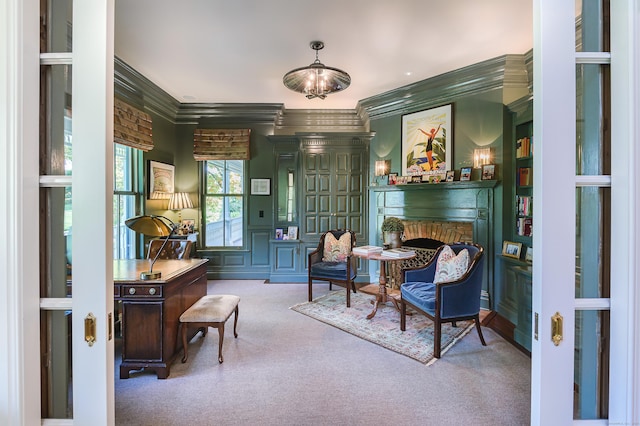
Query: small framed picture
(279,233)
(528,256)
(292,233)
(451,174)
(260,186)
(465,173)
(393,178)
(188,226)
(416,179)
(511,249)
(488,172)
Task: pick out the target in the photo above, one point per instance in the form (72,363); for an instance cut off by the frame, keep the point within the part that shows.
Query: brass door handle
(556,328)
(90,329)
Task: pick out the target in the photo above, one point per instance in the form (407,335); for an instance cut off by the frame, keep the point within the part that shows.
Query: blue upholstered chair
(341,272)
(447,301)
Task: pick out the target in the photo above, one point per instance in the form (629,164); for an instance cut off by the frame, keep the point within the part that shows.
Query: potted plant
(392,229)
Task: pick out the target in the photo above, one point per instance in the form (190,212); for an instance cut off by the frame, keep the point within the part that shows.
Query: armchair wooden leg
(403,315)
(437,332)
(477,321)
(348,296)
(310,291)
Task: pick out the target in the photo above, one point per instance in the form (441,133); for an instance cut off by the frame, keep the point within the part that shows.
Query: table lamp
(179,201)
(152,226)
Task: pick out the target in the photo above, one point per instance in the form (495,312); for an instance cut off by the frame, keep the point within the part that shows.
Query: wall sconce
(481,156)
(382,167)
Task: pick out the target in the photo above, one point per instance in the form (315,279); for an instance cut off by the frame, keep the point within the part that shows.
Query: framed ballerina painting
(426,140)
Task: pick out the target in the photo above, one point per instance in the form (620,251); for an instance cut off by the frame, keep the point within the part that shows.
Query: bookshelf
(523,202)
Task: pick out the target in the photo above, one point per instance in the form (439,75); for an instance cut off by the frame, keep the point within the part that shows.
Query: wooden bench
(210,311)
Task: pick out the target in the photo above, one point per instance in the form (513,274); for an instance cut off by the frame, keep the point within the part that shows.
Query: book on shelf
(367,249)
(524,226)
(398,253)
(524,205)
(524,148)
(524,177)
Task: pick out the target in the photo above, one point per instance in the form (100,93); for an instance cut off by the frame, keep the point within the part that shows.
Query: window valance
(132,127)
(221,144)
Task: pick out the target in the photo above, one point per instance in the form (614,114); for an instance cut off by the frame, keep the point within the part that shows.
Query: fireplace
(447,212)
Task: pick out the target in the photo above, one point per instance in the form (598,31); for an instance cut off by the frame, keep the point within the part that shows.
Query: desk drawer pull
(152,291)
(132,291)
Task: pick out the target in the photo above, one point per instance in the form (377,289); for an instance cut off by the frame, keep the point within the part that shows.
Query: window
(223,203)
(126,194)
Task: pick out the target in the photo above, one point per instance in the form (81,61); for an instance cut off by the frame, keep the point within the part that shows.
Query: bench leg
(184,342)
(220,341)
(235,323)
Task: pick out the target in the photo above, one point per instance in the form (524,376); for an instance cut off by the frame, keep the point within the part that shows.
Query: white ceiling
(236,51)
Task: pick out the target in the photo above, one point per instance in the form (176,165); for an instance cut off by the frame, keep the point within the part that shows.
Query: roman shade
(221,144)
(131,127)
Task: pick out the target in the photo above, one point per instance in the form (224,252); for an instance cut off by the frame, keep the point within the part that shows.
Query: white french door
(76,111)
(585,213)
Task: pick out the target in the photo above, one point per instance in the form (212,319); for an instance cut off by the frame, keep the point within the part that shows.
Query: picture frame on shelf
(292,232)
(451,175)
(465,174)
(161,180)
(393,178)
(528,256)
(427,140)
(279,233)
(511,249)
(260,186)
(488,172)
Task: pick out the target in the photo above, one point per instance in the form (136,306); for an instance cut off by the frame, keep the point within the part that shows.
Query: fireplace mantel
(470,202)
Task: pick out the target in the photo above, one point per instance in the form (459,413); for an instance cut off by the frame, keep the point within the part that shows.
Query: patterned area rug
(384,328)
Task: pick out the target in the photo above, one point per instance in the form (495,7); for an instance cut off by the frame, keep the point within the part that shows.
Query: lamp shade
(382,167)
(159,195)
(153,226)
(179,201)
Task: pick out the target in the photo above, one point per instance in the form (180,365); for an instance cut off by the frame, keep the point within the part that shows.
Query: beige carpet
(384,328)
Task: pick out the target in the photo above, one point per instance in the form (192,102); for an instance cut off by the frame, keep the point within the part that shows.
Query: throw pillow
(449,266)
(336,250)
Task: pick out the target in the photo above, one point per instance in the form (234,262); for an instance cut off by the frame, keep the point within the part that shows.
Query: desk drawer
(147,291)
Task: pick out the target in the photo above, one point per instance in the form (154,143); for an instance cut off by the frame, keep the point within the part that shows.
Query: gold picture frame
(511,249)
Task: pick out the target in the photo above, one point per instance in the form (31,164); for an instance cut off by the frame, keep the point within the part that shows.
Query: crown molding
(474,79)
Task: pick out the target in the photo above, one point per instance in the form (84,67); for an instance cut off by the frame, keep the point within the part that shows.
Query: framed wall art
(260,186)
(161,178)
(427,138)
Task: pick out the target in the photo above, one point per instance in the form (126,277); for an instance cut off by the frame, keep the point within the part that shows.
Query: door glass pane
(55,251)
(592,105)
(592,242)
(56,379)
(55,26)
(591,390)
(591,24)
(56,120)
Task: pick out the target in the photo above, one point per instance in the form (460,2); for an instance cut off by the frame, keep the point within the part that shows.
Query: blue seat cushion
(420,294)
(331,271)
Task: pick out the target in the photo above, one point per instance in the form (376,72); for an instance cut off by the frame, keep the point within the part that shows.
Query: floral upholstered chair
(332,261)
(447,289)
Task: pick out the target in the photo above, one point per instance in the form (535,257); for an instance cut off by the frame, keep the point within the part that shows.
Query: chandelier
(316,80)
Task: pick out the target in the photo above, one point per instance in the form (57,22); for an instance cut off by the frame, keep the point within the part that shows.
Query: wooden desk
(382,296)
(151,310)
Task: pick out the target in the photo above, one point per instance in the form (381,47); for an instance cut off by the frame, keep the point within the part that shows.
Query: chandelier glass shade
(316,80)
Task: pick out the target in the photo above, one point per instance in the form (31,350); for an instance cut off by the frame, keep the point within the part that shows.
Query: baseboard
(503,327)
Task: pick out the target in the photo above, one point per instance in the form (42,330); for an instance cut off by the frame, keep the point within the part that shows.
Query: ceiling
(237,51)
